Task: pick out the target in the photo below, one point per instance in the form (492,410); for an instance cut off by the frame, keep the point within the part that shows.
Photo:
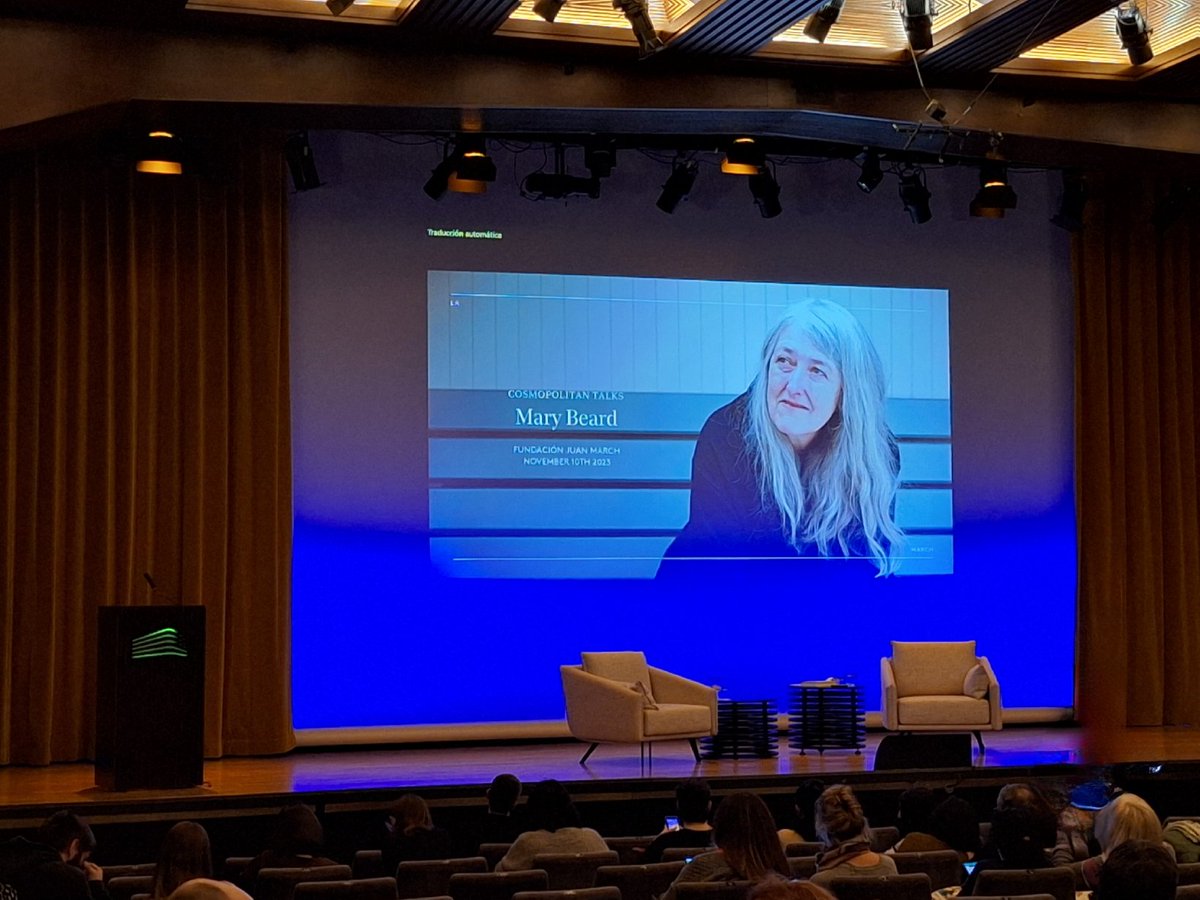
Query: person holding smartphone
(693,801)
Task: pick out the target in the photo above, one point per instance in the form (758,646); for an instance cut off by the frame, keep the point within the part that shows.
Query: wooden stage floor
(453,775)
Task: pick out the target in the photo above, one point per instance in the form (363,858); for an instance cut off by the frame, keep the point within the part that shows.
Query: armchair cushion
(678,719)
(943,711)
(627,666)
(976,683)
(932,668)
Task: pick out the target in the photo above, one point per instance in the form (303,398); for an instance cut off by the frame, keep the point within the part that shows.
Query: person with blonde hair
(748,847)
(409,834)
(843,828)
(803,464)
(1127,817)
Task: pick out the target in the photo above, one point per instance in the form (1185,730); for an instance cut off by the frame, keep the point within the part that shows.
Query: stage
(351,787)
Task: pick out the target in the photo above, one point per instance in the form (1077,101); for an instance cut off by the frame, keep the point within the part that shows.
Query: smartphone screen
(969,867)
(672,823)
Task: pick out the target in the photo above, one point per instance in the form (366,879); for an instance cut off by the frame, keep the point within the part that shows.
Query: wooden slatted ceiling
(1174,23)
(1005,30)
(463,18)
(601,13)
(877,23)
(740,27)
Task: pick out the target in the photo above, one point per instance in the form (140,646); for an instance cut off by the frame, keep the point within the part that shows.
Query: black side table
(745,728)
(826,717)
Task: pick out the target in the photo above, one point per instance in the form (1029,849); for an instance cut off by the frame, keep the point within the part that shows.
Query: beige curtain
(144,406)
(1138,458)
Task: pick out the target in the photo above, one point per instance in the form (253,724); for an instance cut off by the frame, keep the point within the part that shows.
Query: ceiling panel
(877,23)
(460,18)
(1173,23)
(740,27)
(601,13)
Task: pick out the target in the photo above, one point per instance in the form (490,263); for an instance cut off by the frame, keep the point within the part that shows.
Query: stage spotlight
(159,153)
(439,178)
(299,156)
(337,7)
(765,190)
(1072,203)
(600,157)
(638,15)
(549,9)
(871,174)
(995,194)
(473,168)
(822,20)
(918,23)
(915,196)
(1134,33)
(744,157)
(678,185)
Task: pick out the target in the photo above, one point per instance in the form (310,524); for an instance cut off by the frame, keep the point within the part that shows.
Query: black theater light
(473,168)
(995,193)
(337,7)
(818,24)
(915,195)
(765,190)
(548,9)
(600,156)
(744,157)
(918,23)
(1134,33)
(638,15)
(159,153)
(678,185)
(871,173)
(301,165)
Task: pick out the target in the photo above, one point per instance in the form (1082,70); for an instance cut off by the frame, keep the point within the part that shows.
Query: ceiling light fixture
(765,190)
(918,23)
(159,153)
(871,173)
(819,23)
(915,195)
(638,15)
(337,7)
(465,170)
(744,157)
(995,193)
(1134,33)
(678,185)
(548,9)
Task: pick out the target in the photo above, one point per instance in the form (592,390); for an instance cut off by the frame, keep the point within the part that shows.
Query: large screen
(756,449)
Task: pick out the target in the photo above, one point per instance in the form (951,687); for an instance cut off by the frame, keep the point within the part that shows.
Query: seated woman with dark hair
(185,854)
(952,825)
(748,847)
(296,842)
(555,828)
(409,833)
(843,828)
(1019,840)
(803,829)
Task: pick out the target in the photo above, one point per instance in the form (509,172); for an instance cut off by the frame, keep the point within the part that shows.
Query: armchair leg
(590,750)
(695,749)
(979,741)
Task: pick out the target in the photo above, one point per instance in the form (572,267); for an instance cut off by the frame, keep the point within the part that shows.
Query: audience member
(409,834)
(297,841)
(842,827)
(912,818)
(804,827)
(1026,796)
(693,802)
(185,854)
(775,888)
(208,889)
(555,828)
(1018,835)
(1138,870)
(498,825)
(1184,838)
(748,847)
(1076,839)
(955,824)
(1125,818)
(55,864)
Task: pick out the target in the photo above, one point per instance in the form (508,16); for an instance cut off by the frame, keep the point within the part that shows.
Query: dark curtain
(145,412)
(1138,459)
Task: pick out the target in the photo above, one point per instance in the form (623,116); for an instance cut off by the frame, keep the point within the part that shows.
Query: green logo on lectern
(164,642)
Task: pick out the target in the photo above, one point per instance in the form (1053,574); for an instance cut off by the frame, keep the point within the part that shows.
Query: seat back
(496,885)
(802,866)
(1058,881)
(280,883)
(368,864)
(1022,897)
(931,668)
(884,838)
(882,887)
(431,877)
(677,854)
(574,871)
(358,889)
(1189,873)
(595,893)
(235,867)
(111,872)
(804,848)
(713,890)
(628,666)
(493,853)
(630,849)
(644,882)
(123,887)
(942,866)
(1187,892)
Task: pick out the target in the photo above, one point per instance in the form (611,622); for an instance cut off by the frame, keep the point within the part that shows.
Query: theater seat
(617,698)
(940,686)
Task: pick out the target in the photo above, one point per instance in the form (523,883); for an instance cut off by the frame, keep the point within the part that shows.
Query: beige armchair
(940,686)
(617,698)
